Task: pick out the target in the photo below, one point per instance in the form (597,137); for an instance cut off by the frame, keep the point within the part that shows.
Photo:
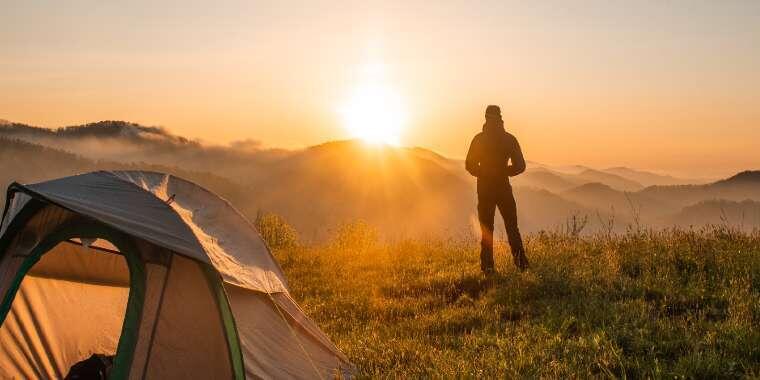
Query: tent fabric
(51,325)
(288,307)
(196,223)
(15,203)
(155,277)
(76,263)
(268,333)
(183,234)
(233,246)
(104,197)
(42,223)
(185,347)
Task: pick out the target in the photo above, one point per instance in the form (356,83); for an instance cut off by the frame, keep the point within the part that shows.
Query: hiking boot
(520,260)
(486,261)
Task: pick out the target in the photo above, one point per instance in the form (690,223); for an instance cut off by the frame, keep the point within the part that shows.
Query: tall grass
(644,304)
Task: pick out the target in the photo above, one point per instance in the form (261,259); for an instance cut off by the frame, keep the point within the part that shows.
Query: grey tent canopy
(153,269)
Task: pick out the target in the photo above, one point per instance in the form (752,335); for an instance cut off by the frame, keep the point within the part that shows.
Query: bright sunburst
(375,113)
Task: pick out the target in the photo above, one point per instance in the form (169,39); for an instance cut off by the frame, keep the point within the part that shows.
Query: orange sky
(671,86)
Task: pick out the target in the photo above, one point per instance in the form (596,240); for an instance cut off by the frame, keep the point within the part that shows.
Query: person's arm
(472,162)
(517,164)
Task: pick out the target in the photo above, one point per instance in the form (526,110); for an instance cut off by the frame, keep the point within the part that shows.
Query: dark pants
(488,199)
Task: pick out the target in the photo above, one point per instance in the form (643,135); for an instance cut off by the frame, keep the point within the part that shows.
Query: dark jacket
(490,154)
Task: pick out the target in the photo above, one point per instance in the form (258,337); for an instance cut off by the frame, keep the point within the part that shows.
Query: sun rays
(374,111)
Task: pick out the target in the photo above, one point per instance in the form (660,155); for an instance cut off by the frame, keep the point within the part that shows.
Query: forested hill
(402,191)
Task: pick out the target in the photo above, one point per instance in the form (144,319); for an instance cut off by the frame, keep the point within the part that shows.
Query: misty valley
(403,192)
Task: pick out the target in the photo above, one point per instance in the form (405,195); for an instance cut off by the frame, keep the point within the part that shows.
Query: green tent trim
(230,329)
(76,229)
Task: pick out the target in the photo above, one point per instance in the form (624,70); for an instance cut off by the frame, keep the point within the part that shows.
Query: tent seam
(295,335)
(158,315)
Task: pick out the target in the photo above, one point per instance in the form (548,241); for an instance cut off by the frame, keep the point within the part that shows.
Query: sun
(375,114)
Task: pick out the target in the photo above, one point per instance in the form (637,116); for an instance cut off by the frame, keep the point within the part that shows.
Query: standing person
(494,156)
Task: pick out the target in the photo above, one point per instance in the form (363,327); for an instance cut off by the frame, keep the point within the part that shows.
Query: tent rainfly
(158,272)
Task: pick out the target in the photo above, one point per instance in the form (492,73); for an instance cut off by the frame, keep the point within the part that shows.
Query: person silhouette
(493,157)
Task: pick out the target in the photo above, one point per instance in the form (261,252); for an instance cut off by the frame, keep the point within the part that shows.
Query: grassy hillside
(642,304)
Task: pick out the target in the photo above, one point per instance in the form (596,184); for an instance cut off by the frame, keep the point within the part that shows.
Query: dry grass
(639,305)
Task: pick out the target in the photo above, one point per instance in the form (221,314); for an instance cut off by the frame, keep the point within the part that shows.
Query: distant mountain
(746,178)
(590,192)
(638,178)
(563,169)
(625,205)
(744,214)
(242,161)
(544,210)
(397,189)
(102,129)
(24,162)
(542,178)
(119,141)
(611,180)
(745,185)
(559,179)
(650,179)
(402,191)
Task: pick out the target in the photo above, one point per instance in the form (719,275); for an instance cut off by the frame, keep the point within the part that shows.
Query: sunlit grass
(652,304)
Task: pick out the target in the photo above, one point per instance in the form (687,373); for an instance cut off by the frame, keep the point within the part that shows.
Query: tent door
(60,301)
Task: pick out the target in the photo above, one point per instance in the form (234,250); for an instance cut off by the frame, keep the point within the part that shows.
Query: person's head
(493,122)
(493,113)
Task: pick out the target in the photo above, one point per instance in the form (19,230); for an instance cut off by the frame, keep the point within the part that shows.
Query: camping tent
(153,269)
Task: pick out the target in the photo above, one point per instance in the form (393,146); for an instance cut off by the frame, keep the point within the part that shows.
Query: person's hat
(493,111)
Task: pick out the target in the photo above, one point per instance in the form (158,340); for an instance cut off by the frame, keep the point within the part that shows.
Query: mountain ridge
(157,138)
(400,190)
(746,176)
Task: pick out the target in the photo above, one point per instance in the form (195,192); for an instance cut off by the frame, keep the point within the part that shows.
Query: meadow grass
(638,305)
